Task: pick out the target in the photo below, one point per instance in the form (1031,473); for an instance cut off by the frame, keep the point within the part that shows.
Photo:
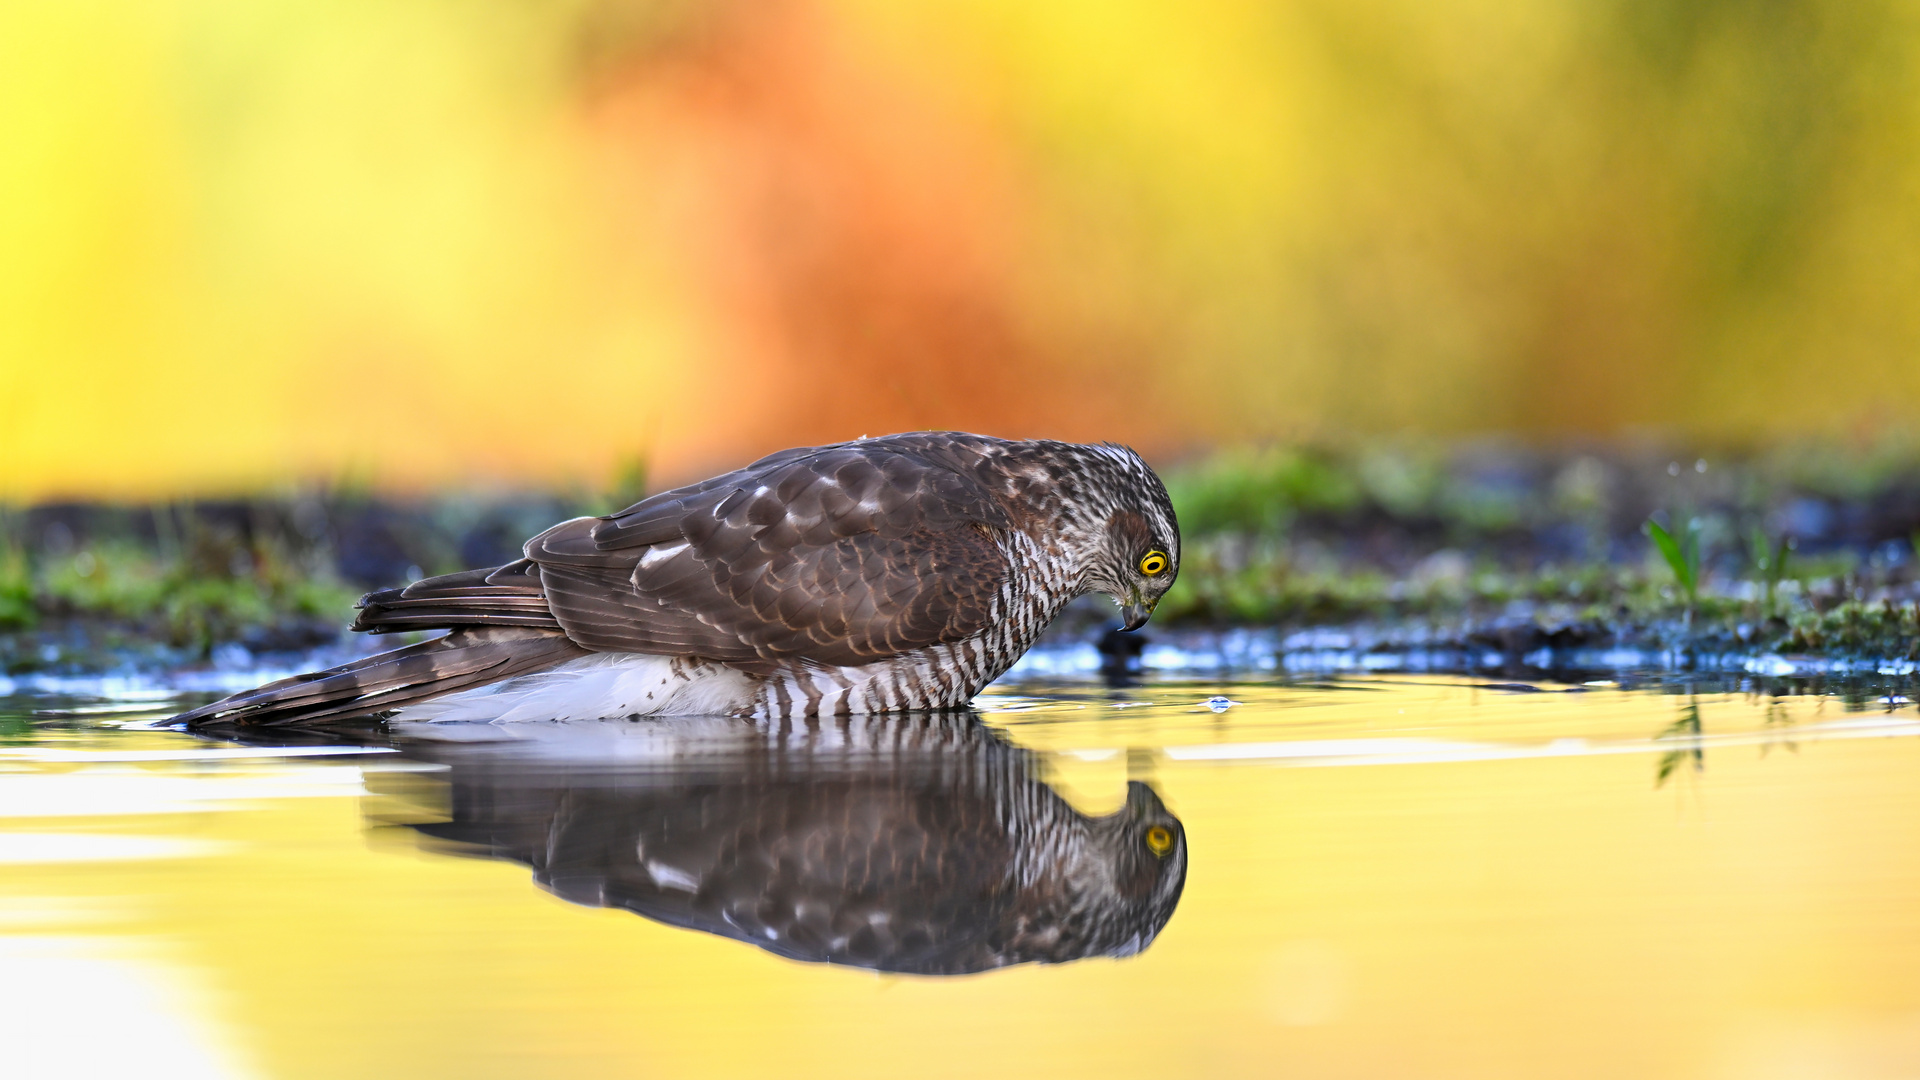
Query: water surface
(1381,876)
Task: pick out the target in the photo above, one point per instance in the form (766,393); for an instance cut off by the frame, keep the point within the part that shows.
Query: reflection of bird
(922,844)
(1120,654)
(903,572)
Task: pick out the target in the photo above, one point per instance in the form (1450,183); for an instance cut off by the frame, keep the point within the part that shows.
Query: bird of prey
(886,574)
(917,843)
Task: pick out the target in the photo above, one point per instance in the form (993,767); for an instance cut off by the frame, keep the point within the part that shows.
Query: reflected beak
(1135,615)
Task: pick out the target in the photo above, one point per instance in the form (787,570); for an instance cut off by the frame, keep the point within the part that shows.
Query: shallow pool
(1379,876)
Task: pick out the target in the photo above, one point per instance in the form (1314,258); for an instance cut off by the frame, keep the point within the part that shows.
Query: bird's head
(1137,546)
(1142,852)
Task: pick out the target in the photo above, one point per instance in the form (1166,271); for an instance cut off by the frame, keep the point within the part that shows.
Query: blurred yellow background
(422,242)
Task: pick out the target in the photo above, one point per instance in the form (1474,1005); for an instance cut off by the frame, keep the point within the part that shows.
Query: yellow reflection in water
(1502,891)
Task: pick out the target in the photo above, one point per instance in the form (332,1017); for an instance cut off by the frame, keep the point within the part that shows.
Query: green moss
(1287,536)
(1330,535)
(1259,490)
(17,610)
(195,600)
(1886,630)
(114,579)
(1225,579)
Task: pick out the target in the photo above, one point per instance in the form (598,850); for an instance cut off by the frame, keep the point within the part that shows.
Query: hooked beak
(1136,614)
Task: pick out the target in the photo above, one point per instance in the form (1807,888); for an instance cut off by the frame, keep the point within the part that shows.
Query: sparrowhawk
(886,574)
(923,843)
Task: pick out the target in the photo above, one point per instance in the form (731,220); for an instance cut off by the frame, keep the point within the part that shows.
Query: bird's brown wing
(841,555)
(890,845)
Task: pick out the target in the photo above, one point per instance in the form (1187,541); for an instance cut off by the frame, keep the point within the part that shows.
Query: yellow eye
(1159,840)
(1153,563)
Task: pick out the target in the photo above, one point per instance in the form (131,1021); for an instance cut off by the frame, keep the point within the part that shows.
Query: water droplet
(1700,466)
(1673,468)
(1220,704)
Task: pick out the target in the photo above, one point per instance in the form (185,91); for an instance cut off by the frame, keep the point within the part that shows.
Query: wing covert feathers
(838,555)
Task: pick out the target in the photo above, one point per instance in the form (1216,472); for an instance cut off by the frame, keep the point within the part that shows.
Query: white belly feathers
(599,687)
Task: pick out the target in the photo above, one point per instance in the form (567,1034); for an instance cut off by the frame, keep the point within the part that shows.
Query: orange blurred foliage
(432,243)
(855,245)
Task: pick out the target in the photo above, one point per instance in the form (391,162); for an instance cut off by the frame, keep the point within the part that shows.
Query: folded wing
(837,555)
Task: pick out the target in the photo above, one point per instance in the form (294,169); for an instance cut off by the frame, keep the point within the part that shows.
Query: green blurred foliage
(1681,553)
(214,592)
(17,609)
(1325,535)
(1881,629)
(1258,490)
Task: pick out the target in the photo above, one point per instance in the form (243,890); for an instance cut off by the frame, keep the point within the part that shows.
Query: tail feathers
(509,595)
(459,661)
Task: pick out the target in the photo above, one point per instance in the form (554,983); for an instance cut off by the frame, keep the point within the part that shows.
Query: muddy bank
(1466,548)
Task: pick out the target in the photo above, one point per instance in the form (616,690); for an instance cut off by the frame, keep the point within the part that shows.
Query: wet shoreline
(1445,557)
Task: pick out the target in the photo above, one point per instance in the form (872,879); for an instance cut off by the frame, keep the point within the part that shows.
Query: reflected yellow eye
(1153,563)
(1159,840)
